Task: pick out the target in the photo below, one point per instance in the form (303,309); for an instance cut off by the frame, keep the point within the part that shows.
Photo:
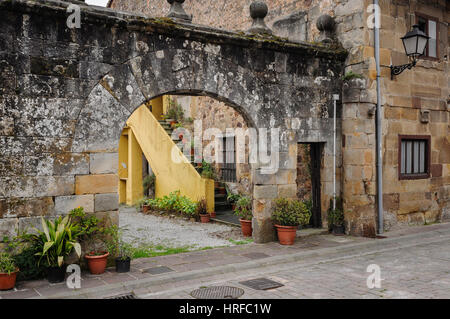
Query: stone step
(220,197)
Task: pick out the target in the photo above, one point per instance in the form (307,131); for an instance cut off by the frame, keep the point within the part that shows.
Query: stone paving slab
(219,262)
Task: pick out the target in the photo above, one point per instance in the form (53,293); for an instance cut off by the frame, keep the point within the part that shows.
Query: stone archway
(71,104)
(120,92)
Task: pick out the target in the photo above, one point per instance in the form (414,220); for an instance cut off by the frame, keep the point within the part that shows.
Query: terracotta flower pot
(97,264)
(145,208)
(246,226)
(8,281)
(286,234)
(205,218)
(212,214)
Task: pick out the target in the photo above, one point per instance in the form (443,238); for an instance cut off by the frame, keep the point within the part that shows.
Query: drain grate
(218,292)
(261,284)
(158,270)
(123,296)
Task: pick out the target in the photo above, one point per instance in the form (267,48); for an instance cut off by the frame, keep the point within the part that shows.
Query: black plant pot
(123,265)
(338,230)
(56,274)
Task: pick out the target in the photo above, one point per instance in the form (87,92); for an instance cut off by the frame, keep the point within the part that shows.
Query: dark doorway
(228,166)
(309,162)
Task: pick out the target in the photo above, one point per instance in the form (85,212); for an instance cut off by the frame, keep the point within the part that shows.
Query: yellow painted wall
(157,107)
(135,189)
(157,147)
(123,166)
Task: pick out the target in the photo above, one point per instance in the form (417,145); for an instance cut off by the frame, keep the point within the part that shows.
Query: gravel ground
(140,229)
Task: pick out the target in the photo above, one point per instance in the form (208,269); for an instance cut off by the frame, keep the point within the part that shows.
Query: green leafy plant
(7,264)
(23,249)
(351,75)
(207,170)
(174,203)
(116,246)
(175,111)
(244,207)
(290,212)
(28,263)
(89,229)
(233,198)
(336,217)
(187,207)
(57,240)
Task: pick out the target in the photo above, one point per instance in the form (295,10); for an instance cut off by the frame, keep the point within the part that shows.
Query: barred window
(414,156)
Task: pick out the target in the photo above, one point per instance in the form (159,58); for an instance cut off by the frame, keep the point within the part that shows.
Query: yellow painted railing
(171,175)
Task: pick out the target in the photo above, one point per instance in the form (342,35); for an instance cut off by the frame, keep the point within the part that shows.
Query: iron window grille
(414,157)
(228,166)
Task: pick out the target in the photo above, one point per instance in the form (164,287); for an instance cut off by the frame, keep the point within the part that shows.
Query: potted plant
(91,230)
(244,211)
(232,199)
(121,250)
(203,212)
(8,272)
(336,220)
(287,216)
(57,240)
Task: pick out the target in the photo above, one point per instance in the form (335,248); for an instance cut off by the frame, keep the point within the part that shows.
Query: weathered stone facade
(407,99)
(67,93)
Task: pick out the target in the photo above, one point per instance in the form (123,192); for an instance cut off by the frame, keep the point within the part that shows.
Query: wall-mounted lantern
(415,42)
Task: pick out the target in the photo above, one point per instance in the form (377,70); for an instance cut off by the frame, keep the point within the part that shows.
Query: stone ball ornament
(325,23)
(177,12)
(258,9)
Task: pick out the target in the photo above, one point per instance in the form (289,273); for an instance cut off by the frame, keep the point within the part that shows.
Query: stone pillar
(268,187)
(359,178)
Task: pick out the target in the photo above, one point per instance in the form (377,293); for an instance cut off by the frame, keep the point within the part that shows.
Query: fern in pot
(91,231)
(122,251)
(243,209)
(287,216)
(8,271)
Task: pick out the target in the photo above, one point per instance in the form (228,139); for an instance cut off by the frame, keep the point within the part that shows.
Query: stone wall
(215,114)
(66,95)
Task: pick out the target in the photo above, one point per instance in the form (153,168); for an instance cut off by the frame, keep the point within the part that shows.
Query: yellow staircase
(145,135)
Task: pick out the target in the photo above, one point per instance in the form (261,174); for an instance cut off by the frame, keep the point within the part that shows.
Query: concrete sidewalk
(159,274)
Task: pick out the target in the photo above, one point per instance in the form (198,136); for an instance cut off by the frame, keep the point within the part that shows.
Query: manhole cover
(124,296)
(261,284)
(219,292)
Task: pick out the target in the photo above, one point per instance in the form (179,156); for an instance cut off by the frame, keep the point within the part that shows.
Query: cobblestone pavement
(417,271)
(414,263)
